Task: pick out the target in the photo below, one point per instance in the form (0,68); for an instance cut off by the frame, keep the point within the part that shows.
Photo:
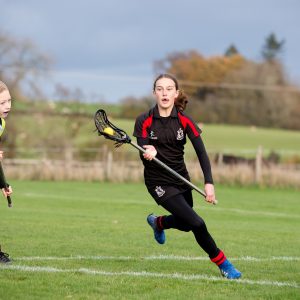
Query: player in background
(5,106)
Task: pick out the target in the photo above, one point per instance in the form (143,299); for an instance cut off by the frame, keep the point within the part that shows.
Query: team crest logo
(159,191)
(179,134)
(152,135)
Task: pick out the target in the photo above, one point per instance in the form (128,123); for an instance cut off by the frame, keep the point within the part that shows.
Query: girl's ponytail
(181,101)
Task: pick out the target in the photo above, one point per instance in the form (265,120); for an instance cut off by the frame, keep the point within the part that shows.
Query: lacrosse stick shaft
(9,202)
(172,172)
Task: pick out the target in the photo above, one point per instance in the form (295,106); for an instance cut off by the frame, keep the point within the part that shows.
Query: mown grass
(86,227)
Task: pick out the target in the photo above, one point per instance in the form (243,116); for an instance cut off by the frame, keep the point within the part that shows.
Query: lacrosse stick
(120,137)
(4,183)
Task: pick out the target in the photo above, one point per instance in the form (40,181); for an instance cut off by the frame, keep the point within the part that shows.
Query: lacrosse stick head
(109,130)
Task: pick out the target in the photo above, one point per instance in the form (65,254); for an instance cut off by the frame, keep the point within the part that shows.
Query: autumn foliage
(232,89)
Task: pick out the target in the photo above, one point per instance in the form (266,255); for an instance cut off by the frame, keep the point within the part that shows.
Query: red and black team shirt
(168,136)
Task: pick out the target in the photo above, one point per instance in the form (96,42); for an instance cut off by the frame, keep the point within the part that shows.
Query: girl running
(162,131)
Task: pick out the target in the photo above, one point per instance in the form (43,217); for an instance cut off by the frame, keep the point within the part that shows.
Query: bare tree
(21,64)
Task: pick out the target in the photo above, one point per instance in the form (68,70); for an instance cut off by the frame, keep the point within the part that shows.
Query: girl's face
(165,93)
(5,103)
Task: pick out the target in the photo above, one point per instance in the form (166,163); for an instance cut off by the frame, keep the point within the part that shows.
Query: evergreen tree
(272,48)
(231,50)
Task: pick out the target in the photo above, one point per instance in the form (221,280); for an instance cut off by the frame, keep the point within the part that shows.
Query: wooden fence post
(220,159)
(69,162)
(109,163)
(258,165)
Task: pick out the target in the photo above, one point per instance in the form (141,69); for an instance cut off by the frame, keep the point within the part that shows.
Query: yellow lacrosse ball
(109,131)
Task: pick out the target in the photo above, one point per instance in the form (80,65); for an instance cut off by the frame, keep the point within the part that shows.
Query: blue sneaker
(159,235)
(229,271)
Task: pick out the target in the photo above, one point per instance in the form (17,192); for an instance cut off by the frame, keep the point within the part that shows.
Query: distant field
(241,138)
(72,240)
(65,107)
(216,137)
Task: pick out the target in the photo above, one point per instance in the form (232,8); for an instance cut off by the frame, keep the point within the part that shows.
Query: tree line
(232,89)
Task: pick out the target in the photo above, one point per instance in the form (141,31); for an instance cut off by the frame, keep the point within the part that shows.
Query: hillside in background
(61,125)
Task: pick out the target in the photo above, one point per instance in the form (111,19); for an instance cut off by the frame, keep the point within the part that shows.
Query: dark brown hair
(165,76)
(181,101)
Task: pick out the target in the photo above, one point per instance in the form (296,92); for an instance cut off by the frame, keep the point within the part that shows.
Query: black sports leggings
(184,218)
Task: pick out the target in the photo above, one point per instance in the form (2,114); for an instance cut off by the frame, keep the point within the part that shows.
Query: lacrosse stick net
(109,130)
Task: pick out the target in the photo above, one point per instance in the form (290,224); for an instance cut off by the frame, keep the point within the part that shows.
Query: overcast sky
(108,47)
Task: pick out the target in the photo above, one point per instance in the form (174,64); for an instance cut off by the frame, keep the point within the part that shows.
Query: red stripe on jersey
(146,124)
(186,121)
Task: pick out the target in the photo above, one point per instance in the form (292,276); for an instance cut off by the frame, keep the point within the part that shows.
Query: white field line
(178,276)
(35,195)
(260,213)
(243,258)
(155,257)
(202,207)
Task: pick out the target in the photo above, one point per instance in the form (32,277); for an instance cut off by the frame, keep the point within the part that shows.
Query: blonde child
(5,106)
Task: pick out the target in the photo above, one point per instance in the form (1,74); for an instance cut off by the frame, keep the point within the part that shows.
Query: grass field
(72,240)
